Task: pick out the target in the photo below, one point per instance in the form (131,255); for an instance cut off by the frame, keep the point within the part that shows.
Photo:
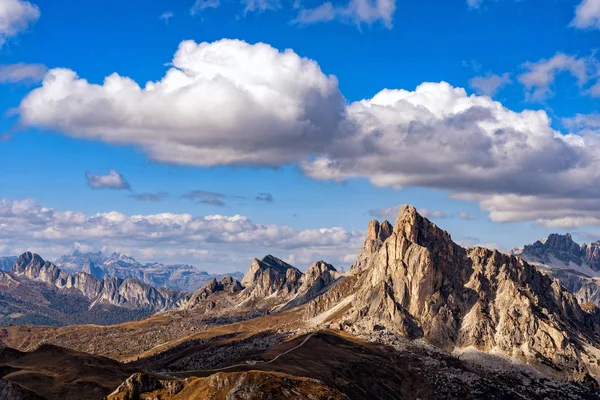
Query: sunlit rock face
(419,283)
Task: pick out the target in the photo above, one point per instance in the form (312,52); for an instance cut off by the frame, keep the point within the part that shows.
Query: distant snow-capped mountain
(174,276)
(576,266)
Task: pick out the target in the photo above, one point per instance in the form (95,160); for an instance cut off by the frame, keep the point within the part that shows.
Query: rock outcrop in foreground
(421,284)
(230,386)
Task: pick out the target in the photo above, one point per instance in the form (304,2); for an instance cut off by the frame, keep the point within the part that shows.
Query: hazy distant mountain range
(35,291)
(6,263)
(180,277)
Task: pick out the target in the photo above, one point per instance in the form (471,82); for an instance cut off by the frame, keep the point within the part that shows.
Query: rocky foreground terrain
(417,317)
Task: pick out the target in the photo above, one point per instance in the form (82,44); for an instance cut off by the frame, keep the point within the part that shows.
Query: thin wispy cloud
(474,4)
(151,197)
(166,16)
(265,197)
(539,76)
(490,84)
(201,5)
(467,216)
(357,12)
(210,197)
(21,72)
(260,5)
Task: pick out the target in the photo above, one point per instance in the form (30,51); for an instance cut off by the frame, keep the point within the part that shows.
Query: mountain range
(180,277)
(35,291)
(576,266)
(416,317)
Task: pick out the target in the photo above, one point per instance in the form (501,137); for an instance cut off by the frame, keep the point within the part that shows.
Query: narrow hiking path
(250,363)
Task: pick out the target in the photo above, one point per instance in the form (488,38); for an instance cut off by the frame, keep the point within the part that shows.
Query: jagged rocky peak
(414,227)
(28,260)
(318,276)
(418,272)
(561,247)
(561,251)
(271,275)
(226,284)
(592,255)
(32,266)
(377,233)
(422,284)
(319,268)
(129,293)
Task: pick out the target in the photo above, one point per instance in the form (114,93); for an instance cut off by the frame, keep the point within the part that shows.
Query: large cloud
(221,103)
(231,103)
(215,241)
(439,137)
(15,17)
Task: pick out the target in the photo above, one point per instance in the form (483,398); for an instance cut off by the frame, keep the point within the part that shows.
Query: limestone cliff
(317,279)
(377,233)
(271,276)
(226,285)
(422,284)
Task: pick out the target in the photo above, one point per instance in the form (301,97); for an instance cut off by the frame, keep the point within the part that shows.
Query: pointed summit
(417,229)
(377,233)
(271,275)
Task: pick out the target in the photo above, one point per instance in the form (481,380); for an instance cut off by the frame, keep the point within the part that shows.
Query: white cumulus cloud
(217,242)
(440,137)
(222,103)
(15,17)
(587,15)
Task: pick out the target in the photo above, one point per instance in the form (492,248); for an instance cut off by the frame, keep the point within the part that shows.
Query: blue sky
(530,55)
